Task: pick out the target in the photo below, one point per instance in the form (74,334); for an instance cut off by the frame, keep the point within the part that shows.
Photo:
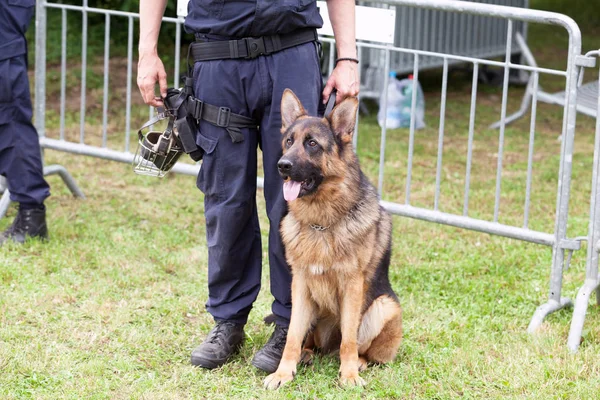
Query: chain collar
(322,228)
(319,228)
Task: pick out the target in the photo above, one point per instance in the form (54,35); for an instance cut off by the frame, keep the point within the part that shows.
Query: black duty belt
(250,47)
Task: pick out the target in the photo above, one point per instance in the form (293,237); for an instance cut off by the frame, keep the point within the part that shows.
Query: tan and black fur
(337,241)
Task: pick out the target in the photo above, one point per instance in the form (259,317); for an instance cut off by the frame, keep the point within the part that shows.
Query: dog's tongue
(291,189)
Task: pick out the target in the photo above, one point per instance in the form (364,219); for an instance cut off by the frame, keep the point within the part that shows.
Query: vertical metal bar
(470,34)
(176,80)
(503,120)
(413,120)
(420,15)
(331,57)
(359,53)
(129,77)
(84,33)
(433,33)
(555,300)
(591,268)
(106,69)
(438,175)
(63,72)
(470,140)
(384,107)
(531,144)
(403,37)
(564,181)
(40,67)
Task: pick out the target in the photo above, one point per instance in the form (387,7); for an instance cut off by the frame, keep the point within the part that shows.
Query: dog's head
(312,145)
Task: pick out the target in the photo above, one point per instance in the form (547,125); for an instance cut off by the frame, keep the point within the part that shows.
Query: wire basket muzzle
(157,153)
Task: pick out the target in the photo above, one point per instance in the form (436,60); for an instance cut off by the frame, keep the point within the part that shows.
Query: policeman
(246,53)
(20,155)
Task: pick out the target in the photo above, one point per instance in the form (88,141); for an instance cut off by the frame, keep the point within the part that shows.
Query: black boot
(269,356)
(27,223)
(220,344)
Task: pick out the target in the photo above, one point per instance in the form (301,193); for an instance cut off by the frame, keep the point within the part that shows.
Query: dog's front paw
(352,379)
(277,379)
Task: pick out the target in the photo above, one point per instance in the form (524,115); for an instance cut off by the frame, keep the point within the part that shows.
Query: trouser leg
(298,69)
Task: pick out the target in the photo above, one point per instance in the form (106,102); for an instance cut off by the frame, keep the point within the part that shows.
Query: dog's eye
(312,143)
(288,142)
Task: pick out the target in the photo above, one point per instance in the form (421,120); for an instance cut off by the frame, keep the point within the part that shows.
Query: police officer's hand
(344,78)
(151,71)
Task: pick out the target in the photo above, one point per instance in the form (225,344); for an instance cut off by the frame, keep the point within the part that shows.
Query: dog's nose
(284,166)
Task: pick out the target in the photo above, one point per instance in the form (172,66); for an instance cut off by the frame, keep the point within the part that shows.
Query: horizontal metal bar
(466,59)
(107,154)
(493,228)
(113,155)
(490,10)
(103,11)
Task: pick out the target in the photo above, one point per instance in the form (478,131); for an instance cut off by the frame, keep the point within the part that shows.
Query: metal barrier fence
(591,283)
(440,31)
(104,145)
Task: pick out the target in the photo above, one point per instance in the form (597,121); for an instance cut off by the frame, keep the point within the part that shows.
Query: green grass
(113,305)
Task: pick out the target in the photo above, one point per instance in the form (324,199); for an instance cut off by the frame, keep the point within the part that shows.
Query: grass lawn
(113,305)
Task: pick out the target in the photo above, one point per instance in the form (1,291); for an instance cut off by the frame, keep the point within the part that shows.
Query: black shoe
(220,344)
(269,356)
(27,223)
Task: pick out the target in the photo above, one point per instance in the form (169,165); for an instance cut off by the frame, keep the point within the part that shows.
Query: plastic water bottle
(399,104)
(406,86)
(393,115)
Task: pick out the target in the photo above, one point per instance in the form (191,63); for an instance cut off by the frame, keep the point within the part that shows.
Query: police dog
(337,241)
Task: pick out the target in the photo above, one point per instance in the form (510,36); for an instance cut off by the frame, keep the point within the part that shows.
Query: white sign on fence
(372,24)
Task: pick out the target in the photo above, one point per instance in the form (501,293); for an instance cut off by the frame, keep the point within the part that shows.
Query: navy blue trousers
(20,155)
(228,174)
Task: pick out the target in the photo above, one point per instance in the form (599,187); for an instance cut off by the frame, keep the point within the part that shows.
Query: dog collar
(319,227)
(322,228)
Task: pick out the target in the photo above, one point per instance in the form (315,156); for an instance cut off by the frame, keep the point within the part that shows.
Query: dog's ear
(343,118)
(291,109)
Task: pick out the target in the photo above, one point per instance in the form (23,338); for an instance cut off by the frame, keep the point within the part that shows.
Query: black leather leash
(330,103)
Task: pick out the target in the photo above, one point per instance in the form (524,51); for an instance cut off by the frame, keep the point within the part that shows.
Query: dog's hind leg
(385,346)
(327,335)
(307,355)
(362,363)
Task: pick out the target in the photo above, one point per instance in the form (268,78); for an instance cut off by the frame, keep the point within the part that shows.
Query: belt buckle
(255,47)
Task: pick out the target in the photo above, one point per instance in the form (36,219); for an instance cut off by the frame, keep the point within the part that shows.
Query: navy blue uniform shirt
(243,18)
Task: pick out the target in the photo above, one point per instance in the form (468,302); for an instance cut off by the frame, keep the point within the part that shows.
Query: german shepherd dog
(337,241)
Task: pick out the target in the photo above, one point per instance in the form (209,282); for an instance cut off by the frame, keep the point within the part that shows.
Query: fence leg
(66,177)
(591,268)
(49,170)
(4,203)
(581,305)
(554,303)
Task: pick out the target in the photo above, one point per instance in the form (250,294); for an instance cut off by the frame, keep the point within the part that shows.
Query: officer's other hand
(151,71)
(345,79)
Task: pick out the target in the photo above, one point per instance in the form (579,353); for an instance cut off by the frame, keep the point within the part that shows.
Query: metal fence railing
(440,31)
(112,143)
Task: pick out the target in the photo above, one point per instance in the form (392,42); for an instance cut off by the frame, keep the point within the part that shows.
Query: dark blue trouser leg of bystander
(20,154)
(228,175)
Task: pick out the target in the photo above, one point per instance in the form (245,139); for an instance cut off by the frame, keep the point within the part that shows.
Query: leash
(330,103)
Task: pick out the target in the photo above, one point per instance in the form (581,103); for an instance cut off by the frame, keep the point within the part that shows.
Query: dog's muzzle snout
(284,166)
